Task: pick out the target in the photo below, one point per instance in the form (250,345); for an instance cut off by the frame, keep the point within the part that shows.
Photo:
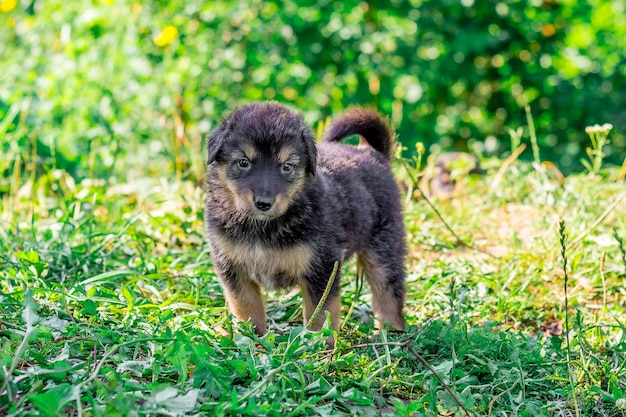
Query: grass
(110,306)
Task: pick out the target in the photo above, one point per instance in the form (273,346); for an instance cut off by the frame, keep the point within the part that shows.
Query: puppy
(281,210)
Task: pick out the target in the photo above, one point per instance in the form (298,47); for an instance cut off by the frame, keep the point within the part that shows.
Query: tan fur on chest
(269,267)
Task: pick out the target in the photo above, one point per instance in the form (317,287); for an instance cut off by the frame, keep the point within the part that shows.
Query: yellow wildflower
(167,36)
(8,5)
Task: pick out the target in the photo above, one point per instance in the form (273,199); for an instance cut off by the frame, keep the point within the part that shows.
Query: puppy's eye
(287,167)
(243,163)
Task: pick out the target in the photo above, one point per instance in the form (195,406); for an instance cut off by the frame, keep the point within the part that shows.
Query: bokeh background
(122,88)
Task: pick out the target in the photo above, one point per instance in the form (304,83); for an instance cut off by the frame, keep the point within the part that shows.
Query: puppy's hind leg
(385,275)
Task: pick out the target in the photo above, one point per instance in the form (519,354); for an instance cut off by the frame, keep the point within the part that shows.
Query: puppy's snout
(263,203)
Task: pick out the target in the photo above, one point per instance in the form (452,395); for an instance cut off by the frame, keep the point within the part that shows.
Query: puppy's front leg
(244,298)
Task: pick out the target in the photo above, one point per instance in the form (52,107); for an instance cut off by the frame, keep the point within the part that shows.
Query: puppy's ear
(311,151)
(215,142)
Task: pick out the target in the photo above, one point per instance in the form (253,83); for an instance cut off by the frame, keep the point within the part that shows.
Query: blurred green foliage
(116,87)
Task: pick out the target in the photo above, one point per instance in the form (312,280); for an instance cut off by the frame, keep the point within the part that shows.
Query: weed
(562,239)
(533,136)
(599,138)
(622,248)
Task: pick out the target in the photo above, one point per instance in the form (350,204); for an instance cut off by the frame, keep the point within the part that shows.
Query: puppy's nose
(263,203)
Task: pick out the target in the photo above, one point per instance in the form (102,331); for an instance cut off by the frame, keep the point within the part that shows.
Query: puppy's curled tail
(364,122)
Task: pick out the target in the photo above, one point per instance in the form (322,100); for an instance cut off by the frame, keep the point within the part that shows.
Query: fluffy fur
(281,209)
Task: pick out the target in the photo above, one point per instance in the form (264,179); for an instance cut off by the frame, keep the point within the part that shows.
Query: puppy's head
(264,155)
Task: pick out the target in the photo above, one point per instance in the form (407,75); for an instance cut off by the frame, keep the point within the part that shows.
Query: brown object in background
(448,167)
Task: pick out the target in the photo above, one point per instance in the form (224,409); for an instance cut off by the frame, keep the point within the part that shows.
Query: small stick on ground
(459,241)
(432,370)
(407,345)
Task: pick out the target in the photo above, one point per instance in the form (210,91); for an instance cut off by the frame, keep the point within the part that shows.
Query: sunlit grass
(132,319)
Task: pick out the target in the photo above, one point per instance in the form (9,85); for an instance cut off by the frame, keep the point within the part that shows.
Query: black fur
(342,200)
(364,122)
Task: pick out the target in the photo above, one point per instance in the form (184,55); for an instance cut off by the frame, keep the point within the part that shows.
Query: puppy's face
(261,185)
(264,154)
